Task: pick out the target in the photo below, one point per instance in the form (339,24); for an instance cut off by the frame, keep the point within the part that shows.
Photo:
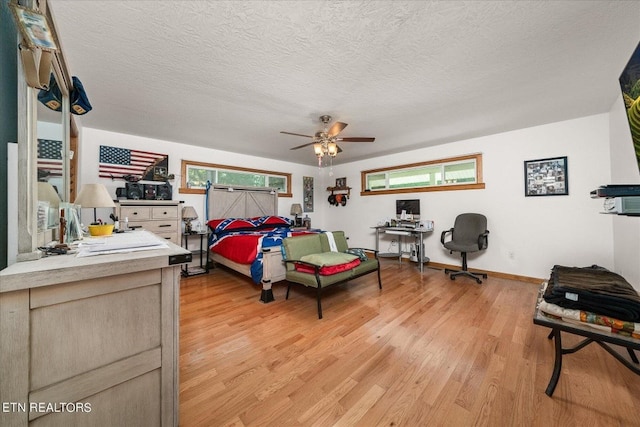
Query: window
(456,173)
(196,174)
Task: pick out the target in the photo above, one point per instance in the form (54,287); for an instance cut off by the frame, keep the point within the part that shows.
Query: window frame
(478,185)
(185,164)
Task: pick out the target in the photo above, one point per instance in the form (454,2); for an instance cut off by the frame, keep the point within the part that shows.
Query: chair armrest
(444,233)
(483,238)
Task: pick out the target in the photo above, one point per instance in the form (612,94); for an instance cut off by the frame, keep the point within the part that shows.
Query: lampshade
(94,196)
(296,209)
(188,212)
(47,193)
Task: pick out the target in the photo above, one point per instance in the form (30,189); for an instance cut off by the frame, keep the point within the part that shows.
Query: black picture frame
(341,182)
(546,177)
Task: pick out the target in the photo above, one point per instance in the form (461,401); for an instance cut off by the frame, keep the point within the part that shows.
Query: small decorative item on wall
(341,182)
(307,193)
(34,28)
(132,165)
(546,177)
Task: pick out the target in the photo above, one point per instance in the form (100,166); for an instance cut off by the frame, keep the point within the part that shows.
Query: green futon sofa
(312,252)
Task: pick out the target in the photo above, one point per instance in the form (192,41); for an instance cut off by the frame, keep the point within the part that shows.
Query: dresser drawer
(160,226)
(164,212)
(135,213)
(172,237)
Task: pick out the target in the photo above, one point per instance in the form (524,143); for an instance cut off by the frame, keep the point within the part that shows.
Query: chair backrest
(468,226)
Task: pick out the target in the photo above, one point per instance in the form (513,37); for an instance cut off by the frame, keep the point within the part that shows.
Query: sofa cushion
(328,258)
(309,280)
(365,267)
(294,248)
(328,270)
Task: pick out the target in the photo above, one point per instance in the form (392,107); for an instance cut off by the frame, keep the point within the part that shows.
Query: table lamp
(296,209)
(188,215)
(96,196)
(46,193)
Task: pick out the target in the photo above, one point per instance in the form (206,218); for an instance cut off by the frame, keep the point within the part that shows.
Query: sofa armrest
(373,251)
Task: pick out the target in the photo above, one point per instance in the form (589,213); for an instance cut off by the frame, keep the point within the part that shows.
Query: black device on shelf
(616,190)
(140,191)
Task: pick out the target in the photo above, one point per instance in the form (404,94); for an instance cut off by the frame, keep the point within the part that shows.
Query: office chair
(469,234)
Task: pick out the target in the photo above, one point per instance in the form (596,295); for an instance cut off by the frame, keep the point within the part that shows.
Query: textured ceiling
(231,74)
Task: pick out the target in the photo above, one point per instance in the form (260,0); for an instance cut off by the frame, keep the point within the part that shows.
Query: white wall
(93,138)
(624,170)
(528,234)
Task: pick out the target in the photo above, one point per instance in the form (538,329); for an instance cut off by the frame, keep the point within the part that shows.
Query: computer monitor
(410,207)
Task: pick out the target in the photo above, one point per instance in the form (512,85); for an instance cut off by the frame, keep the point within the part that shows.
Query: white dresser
(91,341)
(161,217)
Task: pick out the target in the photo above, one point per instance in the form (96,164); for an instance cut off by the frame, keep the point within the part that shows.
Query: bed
(246,233)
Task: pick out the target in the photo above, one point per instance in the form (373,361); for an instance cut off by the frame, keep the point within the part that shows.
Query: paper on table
(125,242)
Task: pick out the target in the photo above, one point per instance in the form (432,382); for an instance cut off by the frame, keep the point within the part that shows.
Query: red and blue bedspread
(241,240)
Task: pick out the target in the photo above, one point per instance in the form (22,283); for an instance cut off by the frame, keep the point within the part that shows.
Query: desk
(417,234)
(602,338)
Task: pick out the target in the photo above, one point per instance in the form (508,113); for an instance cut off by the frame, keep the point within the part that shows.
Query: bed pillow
(271,221)
(230,224)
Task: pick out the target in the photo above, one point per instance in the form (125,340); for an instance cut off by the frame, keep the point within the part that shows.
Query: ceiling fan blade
(303,145)
(296,134)
(336,128)
(356,139)
(339,149)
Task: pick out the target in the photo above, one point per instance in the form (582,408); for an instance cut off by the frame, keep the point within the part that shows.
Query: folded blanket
(594,289)
(597,321)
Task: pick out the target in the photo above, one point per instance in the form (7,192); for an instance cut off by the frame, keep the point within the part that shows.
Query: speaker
(121,193)
(150,191)
(163,192)
(134,190)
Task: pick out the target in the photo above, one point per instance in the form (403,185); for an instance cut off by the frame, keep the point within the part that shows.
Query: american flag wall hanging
(49,158)
(133,165)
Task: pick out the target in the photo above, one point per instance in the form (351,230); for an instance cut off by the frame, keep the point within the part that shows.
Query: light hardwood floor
(424,351)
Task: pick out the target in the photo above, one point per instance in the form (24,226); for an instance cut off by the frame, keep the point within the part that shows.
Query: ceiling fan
(326,139)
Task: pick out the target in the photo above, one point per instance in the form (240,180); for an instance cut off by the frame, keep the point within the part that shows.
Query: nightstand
(203,268)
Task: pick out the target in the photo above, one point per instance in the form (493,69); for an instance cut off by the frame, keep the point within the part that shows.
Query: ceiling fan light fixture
(332,149)
(318,149)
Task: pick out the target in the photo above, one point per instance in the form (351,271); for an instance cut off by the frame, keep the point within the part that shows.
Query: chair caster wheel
(452,277)
(479,281)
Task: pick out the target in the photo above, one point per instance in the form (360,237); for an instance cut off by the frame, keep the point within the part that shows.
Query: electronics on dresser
(145,191)
(627,205)
(617,190)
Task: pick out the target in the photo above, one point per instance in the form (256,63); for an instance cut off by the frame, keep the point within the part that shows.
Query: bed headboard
(242,202)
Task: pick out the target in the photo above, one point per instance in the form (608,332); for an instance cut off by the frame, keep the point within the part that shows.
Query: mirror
(44,141)
(52,165)
(50,136)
